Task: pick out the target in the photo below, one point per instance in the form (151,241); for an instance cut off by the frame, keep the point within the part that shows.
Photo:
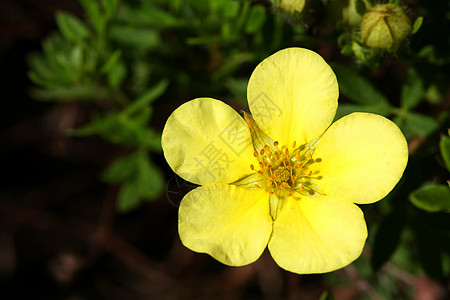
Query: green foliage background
(123,58)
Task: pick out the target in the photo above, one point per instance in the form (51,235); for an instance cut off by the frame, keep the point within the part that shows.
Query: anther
(310,173)
(275,143)
(266,148)
(257,186)
(252,167)
(293,144)
(302,188)
(255,154)
(297,156)
(261,152)
(260,172)
(286,151)
(309,155)
(261,165)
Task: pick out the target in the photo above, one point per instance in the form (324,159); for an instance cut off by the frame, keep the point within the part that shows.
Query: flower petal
(206,141)
(317,235)
(363,157)
(229,223)
(293,95)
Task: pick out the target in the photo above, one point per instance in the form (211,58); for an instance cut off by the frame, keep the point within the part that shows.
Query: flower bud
(347,11)
(385,26)
(292,6)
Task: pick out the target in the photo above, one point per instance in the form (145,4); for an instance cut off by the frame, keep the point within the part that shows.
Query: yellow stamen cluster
(285,170)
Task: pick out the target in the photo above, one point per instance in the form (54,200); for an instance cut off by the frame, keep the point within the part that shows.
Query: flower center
(286,171)
(282,175)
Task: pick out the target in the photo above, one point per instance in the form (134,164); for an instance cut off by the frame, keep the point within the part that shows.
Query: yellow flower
(282,176)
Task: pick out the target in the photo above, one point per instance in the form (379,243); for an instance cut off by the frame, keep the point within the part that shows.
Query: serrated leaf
(357,88)
(71,27)
(413,90)
(432,198)
(387,238)
(444,146)
(255,19)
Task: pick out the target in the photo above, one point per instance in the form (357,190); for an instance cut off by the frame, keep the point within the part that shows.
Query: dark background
(60,237)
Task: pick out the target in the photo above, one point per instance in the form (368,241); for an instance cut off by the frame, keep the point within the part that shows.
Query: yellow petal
(229,223)
(363,157)
(293,95)
(206,141)
(317,235)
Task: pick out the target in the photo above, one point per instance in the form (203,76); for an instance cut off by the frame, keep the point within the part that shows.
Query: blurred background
(88,206)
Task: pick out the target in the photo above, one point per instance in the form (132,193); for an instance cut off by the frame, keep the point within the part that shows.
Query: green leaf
(141,38)
(111,61)
(387,238)
(149,181)
(117,74)
(420,124)
(148,14)
(69,93)
(120,169)
(142,180)
(128,198)
(71,27)
(413,90)
(416,25)
(255,19)
(147,98)
(444,145)
(92,8)
(326,296)
(432,198)
(357,88)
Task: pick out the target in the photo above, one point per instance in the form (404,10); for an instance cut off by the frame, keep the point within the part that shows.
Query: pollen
(284,172)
